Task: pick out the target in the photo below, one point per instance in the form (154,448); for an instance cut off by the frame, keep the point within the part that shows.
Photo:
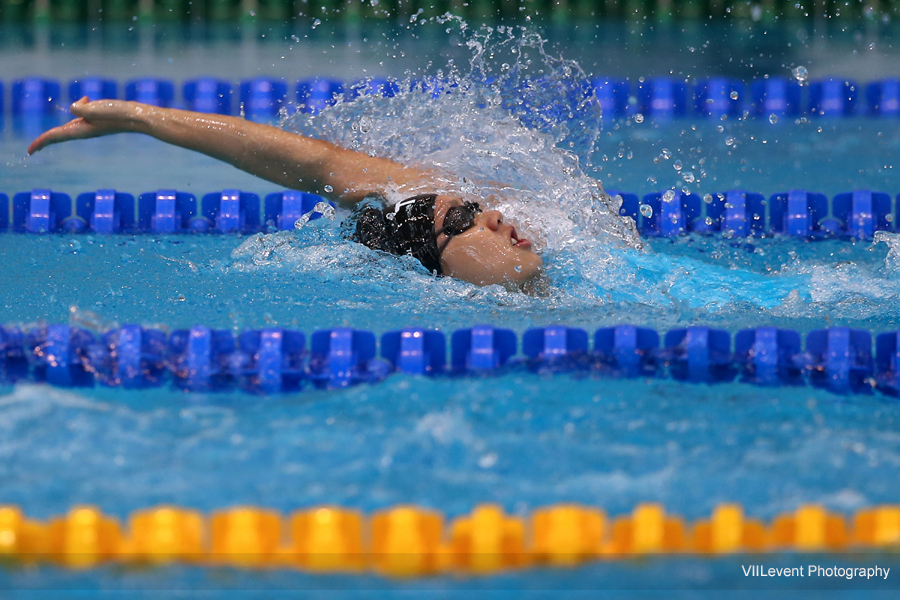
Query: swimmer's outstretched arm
(289,160)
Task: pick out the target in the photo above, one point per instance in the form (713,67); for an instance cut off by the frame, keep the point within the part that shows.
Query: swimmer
(447,234)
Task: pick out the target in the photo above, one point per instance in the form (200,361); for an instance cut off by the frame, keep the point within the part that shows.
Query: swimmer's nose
(492,219)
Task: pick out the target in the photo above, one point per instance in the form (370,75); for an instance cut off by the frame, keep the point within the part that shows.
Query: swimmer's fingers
(76,129)
(94,119)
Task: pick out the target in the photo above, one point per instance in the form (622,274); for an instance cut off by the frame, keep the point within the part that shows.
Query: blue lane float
(669,213)
(840,359)
(776,96)
(274,360)
(699,355)
(735,213)
(45,211)
(883,98)
(481,349)
(343,357)
(232,211)
(662,98)
(315,95)
(862,213)
(108,211)
(719,97)
(768,356)
(95,88)
(833,98)
(801,214)
(271,360)
(415,350)
(35,96)
(263,98)
(59,353)
(208,95)
(168,211)
(156,92)
(655,98)
(613,97)
(131,357)
(555,348)
(200,358)
(627,351)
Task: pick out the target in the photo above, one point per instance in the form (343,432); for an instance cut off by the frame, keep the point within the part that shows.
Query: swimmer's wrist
(140,118)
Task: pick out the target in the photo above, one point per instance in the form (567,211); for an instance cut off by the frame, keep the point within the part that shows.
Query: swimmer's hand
(94,119)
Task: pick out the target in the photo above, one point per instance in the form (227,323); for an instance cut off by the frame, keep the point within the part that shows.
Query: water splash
(515,131)
(321,208)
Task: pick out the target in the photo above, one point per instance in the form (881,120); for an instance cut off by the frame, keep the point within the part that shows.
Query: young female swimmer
(448,235)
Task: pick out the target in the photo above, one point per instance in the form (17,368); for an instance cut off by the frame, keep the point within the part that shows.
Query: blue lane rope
(658,98)
(269,361)
(856,215)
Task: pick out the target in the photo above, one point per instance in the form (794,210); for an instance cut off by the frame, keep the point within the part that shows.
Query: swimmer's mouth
(514,239)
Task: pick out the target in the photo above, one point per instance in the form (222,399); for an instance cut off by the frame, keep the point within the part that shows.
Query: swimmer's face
(490,252)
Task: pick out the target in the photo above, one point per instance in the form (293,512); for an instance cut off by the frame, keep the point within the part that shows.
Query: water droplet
(733,95)
(800,74)
(365,124)
(666,154)
(646,210)
(688,177)
(729,141)
(517,268)
(639,118)
(708,221)
(773,118)
(720,128)
(668,196)
(707,198)
(677,165)
(328,189)
(728,234)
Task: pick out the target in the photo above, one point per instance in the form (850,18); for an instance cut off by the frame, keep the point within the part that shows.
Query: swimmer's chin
(538,286)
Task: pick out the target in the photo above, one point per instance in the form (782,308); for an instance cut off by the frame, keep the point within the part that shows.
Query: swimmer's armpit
(286,159)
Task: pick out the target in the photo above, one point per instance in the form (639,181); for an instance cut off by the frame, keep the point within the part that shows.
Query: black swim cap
(404,228)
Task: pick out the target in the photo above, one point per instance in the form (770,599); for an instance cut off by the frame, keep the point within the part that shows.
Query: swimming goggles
(458,219)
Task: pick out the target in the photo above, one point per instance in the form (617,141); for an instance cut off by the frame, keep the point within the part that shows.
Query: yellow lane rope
(409,541)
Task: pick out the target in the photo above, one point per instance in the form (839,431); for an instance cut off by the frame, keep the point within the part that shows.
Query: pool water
(520,439)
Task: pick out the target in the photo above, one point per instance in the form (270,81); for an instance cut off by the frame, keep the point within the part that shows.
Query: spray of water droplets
(512,130)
